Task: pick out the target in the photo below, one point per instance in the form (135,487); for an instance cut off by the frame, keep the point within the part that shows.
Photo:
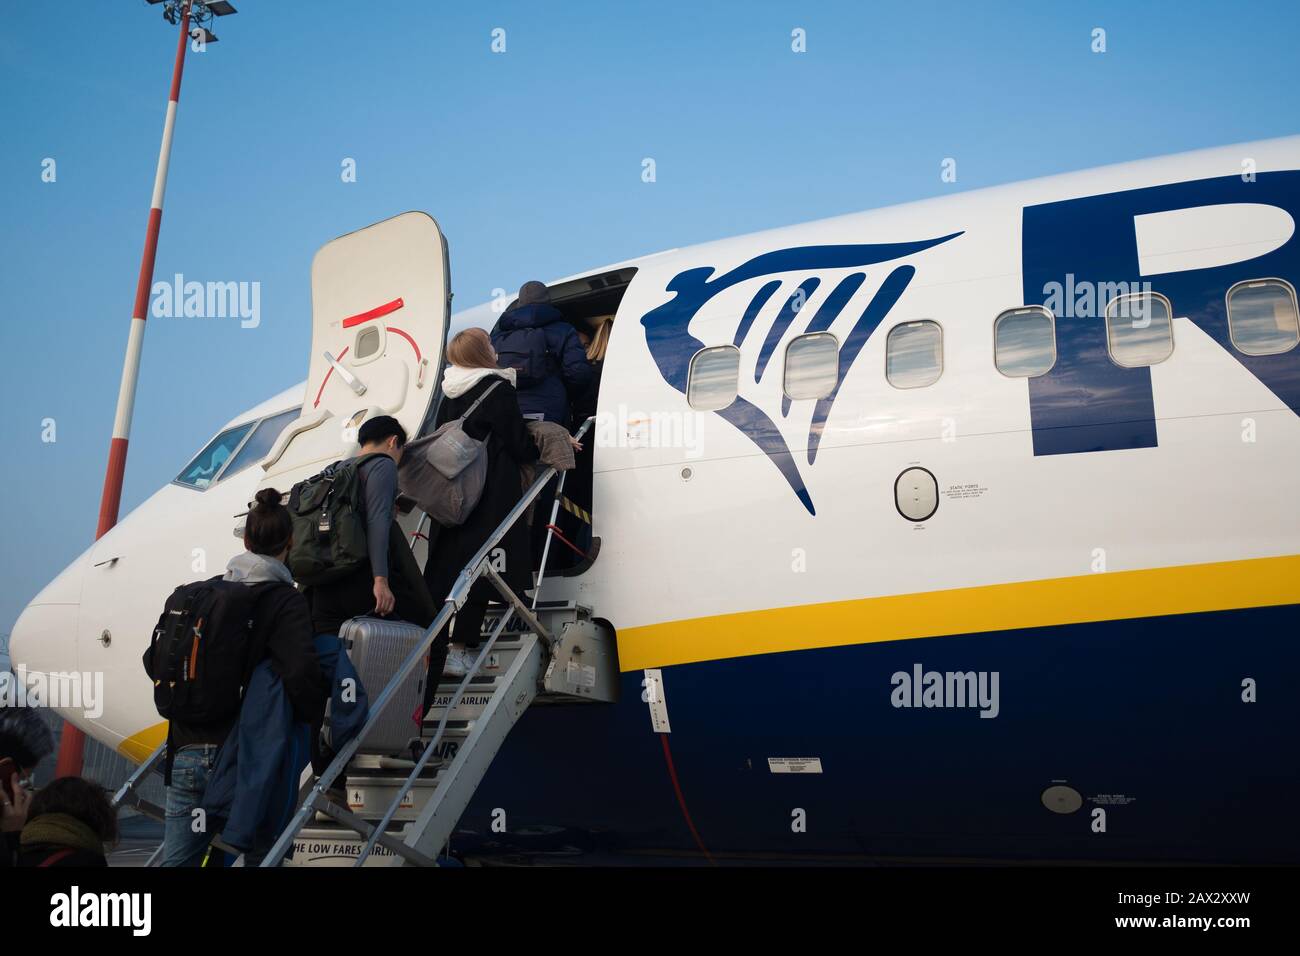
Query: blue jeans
(182,846)
(346,716)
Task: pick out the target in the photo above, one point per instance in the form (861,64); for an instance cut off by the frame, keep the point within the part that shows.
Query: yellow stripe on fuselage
(1108,596)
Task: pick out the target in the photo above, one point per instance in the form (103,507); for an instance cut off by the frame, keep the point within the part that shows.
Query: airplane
(962,529)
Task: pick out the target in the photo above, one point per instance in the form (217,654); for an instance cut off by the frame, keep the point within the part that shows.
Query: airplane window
(255,449)
(1024,342)
(714,378)
(812,365)
(207,464)
(1262,317)
(1139,330)
(914,354)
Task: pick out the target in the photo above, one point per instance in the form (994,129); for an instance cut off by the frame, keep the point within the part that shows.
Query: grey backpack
(445,472)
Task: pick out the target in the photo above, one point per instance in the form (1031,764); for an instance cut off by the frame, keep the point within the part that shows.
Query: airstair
(402,811)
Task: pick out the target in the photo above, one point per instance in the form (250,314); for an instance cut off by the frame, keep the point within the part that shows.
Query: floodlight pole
(72,744)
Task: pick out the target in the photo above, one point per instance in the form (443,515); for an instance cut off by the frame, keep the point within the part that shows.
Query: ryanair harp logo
(672,346)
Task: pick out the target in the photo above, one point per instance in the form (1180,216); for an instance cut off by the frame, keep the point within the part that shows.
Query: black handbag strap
(477,402)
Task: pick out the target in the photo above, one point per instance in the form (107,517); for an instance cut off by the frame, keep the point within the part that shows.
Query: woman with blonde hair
(471,374)
(597,339)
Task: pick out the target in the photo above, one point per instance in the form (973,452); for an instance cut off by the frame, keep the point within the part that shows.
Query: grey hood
(250,568)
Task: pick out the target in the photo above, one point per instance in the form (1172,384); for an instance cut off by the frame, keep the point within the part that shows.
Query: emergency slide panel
(380,310)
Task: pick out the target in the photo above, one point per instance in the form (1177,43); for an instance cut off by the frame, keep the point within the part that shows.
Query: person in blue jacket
(551,372)
(543,348)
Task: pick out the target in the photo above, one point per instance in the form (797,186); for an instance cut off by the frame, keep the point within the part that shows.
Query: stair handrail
(128,794)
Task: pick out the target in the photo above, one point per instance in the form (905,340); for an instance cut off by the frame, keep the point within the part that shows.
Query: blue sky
(530,160)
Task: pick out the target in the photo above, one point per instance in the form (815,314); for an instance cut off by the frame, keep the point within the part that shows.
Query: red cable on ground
(681,800)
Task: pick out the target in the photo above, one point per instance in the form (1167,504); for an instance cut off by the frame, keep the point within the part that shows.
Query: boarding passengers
(281,633)
(388,584)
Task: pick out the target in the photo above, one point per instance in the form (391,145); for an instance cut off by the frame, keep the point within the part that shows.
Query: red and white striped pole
(73,741)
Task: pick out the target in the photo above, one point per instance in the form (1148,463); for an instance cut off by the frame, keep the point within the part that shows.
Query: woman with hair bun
(281,633)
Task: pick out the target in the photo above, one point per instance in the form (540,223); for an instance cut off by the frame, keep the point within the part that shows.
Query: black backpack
(526,351)
(200,655)
(329,523)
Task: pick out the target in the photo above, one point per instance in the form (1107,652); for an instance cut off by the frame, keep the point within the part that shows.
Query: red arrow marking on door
(409,339)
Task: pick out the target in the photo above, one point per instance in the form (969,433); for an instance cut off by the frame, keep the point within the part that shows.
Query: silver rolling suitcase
(377,648)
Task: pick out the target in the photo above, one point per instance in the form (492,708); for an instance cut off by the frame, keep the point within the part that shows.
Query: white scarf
(457,380)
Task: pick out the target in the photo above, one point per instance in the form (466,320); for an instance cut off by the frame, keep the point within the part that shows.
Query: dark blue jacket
(550,397)
(253,791)
(253,788)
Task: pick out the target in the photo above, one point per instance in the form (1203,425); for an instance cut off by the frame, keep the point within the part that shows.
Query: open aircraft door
(381,303)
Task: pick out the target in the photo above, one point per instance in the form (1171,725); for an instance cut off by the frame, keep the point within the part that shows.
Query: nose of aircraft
(44,639)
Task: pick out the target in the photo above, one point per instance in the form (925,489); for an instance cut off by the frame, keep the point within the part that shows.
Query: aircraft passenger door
(381,302)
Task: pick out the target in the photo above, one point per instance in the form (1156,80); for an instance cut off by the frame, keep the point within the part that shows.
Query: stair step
(370,797)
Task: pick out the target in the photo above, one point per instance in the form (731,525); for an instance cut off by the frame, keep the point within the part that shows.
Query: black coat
(354,594)
(509,445)
(578,482)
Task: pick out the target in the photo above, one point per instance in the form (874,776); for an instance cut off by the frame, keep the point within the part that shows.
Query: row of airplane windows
(1262,320)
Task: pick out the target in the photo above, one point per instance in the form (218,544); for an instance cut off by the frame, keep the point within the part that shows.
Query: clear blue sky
(530,160)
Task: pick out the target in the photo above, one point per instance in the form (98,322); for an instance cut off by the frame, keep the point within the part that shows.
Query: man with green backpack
(349,555)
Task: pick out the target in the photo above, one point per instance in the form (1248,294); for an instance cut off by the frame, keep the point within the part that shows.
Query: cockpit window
(260,442)
(234,449)
(207,464)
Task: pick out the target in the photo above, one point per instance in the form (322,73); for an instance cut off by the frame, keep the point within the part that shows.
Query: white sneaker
(459,662)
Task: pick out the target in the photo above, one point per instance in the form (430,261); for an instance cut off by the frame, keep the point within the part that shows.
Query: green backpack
(329,523)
